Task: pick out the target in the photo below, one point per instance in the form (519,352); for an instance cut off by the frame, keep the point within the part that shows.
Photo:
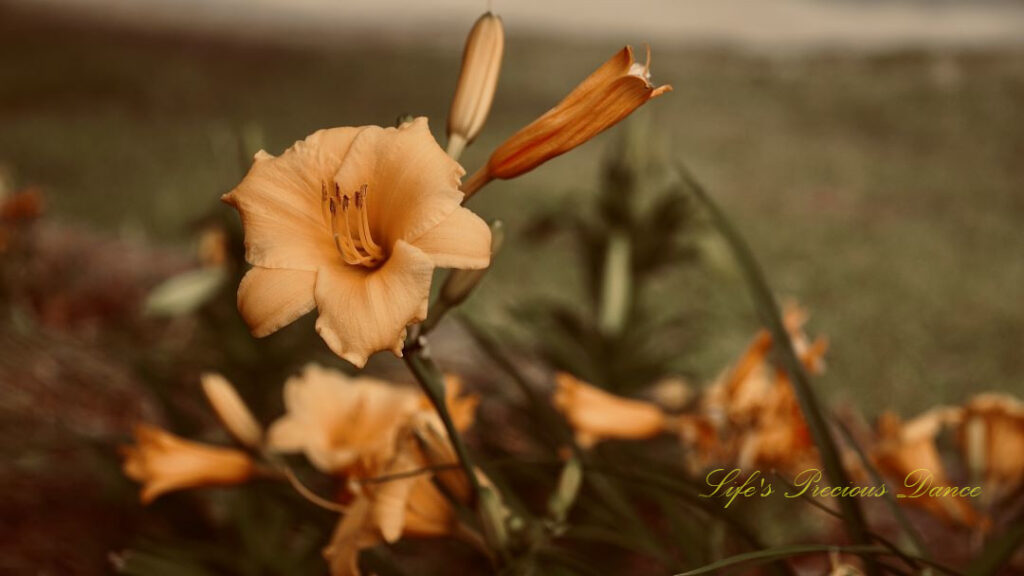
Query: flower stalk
(431,380)
(768,309)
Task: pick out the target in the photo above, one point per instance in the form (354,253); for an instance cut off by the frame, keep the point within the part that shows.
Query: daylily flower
(337,419)
(481,65)
(403,503)
(353,221)
(163,462)
(755,407)
(992,438)
(742,393)
(596,415)
(907,449)
(232,411)
(604,98)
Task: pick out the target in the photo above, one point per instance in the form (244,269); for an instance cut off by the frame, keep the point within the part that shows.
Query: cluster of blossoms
(749,418)
(383,441)
(353,222)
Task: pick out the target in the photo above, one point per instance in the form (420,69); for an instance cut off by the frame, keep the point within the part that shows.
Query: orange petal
(270,299)
(352,535)
(412,185)
(279,201)
(462,240)
(363,311)
(608,95)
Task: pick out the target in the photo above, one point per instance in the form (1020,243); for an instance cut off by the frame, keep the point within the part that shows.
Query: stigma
(349,220)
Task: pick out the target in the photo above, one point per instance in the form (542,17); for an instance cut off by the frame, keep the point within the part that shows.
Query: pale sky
(756,24)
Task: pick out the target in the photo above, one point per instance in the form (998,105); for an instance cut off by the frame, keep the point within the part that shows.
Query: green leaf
(768,309)
(773,554)
(999,551)
(185,293)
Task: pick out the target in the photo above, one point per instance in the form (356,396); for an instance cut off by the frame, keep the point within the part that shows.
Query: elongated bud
(232,411)
(461,283)
(163,462)
(608,95)
(481,65)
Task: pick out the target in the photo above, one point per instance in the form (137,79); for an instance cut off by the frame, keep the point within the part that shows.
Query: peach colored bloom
(596,415)
(232,411)
(992,438)
(481,65)
(604,98)
(353,221)
(163,462)
(461,407)
(337,419)
(403,506)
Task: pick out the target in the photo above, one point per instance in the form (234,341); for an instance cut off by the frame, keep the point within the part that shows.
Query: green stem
(432,381)
(770,316)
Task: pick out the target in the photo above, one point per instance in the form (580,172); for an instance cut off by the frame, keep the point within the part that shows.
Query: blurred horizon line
(779,25)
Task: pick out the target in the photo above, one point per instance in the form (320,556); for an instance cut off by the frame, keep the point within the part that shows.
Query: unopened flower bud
(604,98)
(596,415)
(232,411)
(163,462)
(481,65)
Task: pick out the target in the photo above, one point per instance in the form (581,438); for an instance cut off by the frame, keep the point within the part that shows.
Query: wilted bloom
(608,95)
(755,406)
(992,438)
(232,411)
(163,462)
(481,64)
(353,221)
(780,437)
(596,415)
(336,419)
(907,451)
(744,391)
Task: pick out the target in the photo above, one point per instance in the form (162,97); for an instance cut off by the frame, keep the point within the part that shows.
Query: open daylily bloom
(992,438)
(609,94)
(596,415)
(417,510)
(337,419)
(409,505)
(352,222)
(232,411)
(163,462)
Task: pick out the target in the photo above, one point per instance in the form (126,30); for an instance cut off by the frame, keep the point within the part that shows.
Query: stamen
(364,225)
(355,249)
(323,202)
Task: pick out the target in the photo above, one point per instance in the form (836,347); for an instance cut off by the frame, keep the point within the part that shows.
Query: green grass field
(883,191)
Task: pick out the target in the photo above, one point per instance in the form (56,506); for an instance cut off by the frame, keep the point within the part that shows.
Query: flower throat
(350,226)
